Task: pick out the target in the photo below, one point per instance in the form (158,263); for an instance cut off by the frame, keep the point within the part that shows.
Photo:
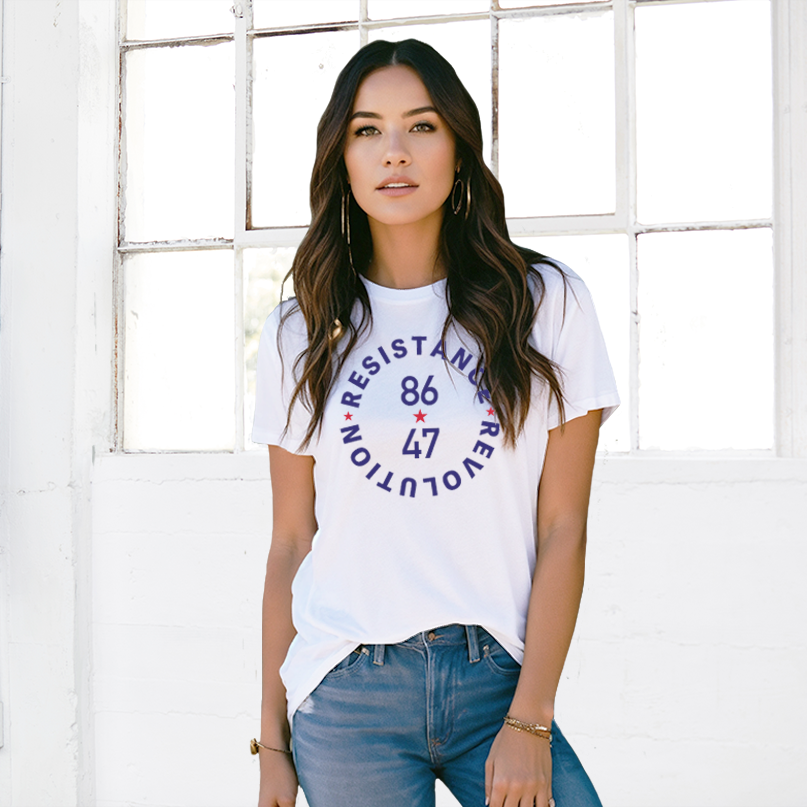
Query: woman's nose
(396,152)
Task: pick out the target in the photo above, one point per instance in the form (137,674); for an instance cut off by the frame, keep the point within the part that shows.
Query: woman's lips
(404,191)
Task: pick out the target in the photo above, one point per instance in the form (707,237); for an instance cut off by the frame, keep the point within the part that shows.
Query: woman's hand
(518,770)
(278,780)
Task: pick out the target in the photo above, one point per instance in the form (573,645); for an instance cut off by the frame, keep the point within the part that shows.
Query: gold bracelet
(539,734)
(254,745)
(535,729)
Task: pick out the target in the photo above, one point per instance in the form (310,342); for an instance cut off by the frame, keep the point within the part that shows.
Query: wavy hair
(488,276)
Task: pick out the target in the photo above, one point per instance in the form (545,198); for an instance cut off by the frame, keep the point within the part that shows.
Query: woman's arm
(293,528)
(520,764)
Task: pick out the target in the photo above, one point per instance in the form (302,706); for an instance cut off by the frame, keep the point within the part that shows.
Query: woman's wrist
(275,733)
(543,714)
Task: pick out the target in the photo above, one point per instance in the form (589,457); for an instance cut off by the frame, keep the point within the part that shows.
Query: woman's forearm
(557,581)
(277,633)
(554,603)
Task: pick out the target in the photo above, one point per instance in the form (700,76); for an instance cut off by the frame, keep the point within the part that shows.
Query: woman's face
(399,152)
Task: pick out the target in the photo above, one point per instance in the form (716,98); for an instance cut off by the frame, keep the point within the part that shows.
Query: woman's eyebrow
(412,112)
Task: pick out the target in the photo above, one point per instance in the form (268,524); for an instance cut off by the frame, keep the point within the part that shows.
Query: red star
(491,411)
(348,416)
(420,417)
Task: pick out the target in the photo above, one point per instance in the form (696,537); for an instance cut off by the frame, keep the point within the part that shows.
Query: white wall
(684,685)
(57,241)
(129,612)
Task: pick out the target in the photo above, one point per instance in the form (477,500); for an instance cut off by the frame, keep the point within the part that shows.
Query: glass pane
(466,45)
(603,262)
(164,19)
(556,120)
(704,125)
(179,122)
(706,340)
(264,270)
(179,381)
(293,80)
(390,9)
(276,14)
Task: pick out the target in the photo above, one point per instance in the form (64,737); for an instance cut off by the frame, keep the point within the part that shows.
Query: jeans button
(432,636)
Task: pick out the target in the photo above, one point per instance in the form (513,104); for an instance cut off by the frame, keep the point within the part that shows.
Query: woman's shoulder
(552,283)
(284,330)
(562,299)
(286,314)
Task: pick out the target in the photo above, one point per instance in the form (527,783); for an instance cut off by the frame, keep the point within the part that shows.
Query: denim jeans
(389,719)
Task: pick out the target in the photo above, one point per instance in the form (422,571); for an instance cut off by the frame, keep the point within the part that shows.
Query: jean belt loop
(378,655)
(473,643)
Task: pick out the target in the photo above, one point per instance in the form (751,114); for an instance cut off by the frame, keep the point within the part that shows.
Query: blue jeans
(389,719)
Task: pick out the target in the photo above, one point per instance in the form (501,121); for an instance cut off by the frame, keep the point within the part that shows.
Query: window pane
(706,340)
(264,270)
(178,126)
(179,385)
(602,262)
(556,125)
(165,19)
(389,9)
(704,121)
(293,80)
(275,14)
(466,45)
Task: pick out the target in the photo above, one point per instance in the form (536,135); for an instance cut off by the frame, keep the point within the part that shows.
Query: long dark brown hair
(488,276)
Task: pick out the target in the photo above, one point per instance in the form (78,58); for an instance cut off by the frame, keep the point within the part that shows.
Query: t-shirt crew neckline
(377,292)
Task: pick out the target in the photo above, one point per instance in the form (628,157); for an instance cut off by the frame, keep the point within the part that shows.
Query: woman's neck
(406,256)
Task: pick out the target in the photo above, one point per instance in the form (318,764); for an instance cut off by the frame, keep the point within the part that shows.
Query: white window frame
(789,35)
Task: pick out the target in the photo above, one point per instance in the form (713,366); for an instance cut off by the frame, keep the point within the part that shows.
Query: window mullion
(117,285)
(363,18)
(564,225)
(238,340)
(789,30)
(243,141)
(624,58)
(625,34)
(243,118)
(494,89)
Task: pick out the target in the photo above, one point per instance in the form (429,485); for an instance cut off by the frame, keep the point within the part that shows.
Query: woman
(411,395)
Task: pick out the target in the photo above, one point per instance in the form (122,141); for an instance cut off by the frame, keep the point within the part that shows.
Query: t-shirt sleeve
(578,348)
(274,387)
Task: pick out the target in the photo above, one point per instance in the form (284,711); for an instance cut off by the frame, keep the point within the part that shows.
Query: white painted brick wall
(684,685)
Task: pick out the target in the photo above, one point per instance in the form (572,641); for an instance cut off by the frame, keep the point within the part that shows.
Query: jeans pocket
(350,663)
(498,659)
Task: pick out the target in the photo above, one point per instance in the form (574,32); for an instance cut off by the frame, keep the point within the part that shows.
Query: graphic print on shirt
(421,398)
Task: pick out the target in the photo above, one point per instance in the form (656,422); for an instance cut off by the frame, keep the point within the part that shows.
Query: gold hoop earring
(346,226)
(456,200)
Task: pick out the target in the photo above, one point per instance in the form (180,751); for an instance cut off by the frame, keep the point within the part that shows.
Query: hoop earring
(456,203)
(346,226)
(456,200)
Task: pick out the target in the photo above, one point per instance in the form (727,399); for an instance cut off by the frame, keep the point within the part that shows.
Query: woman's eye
(423,126)
(364,131)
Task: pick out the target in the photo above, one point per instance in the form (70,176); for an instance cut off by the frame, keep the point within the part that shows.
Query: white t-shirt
(424,517)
